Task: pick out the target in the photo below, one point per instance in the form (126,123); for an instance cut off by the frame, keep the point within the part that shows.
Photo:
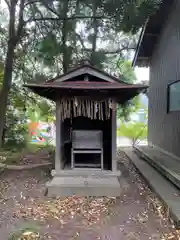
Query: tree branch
(111,52)
(34,8)
(81,40)
(139,135)
(8,4)
(64,18)
(31,2)
(49,8)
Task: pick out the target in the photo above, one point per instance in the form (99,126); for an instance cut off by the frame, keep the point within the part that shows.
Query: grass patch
(10,157)
(35,148)
(30,233)
(118,132)
(14,156)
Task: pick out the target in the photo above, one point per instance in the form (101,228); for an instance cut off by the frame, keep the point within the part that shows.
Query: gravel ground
(137,214)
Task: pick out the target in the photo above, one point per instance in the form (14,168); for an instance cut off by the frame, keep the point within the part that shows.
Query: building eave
(139,45)
(150,34)
(121,92)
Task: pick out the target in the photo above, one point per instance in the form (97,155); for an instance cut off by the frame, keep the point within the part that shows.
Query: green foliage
(10,156)
(134,13)
(127,75)
(124,111)
(58,35)
(133,130)
(98,58)
(71,39)
(21,108)
(15,125)
(48,48)
(126,71)
(37,148)
(42,111)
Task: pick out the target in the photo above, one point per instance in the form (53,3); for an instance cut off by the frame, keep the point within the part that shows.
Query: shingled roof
(150,34)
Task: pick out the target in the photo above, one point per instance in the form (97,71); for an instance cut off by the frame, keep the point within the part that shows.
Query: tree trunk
(64,38)
(3,100)
(95,30)
(13,38)
(7,81)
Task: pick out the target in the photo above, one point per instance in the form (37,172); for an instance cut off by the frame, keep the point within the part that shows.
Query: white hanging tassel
(75,101)
(92,110)
(88,108)
(95,110)
(110,107)
(102,117)
(110,103)
(74,108)
(96,106)
(113,106)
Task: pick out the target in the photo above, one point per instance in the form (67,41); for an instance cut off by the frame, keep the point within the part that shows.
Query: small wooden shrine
(85,158)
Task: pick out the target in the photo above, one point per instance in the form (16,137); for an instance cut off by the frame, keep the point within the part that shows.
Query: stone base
(64,186)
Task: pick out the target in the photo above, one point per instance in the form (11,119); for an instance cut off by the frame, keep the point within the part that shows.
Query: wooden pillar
(113,146)
(58,154)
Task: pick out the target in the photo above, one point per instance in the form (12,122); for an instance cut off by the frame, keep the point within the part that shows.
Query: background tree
(127,74)
(133,130)
(43,38)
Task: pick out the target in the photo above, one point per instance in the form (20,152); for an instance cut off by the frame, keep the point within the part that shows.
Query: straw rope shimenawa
(93,109)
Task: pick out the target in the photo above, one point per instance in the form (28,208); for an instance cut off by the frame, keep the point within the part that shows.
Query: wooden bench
(86,142)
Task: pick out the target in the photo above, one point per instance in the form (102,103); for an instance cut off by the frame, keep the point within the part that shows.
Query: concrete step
(168,167)
(85,173)
(83,186)
(165,190)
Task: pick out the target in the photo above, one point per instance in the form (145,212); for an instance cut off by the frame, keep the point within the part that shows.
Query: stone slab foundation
(84,186)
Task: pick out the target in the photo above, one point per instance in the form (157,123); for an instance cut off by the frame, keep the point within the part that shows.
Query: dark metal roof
(85,68)
(69,85)
(86,85)
(150,34)
(119,91)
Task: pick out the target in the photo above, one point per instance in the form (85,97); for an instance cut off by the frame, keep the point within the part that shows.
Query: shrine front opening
(86,141)
(87,126)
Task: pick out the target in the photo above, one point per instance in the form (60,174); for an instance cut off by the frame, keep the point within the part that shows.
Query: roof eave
(150,34)
(139,44)
(142,62)
(121,94)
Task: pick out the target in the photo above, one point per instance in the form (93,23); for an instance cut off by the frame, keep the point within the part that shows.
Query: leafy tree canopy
(45,38)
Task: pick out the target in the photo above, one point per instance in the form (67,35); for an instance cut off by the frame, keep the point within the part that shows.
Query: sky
(142,74)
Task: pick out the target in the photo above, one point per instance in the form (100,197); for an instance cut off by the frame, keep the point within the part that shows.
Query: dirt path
(130,217)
